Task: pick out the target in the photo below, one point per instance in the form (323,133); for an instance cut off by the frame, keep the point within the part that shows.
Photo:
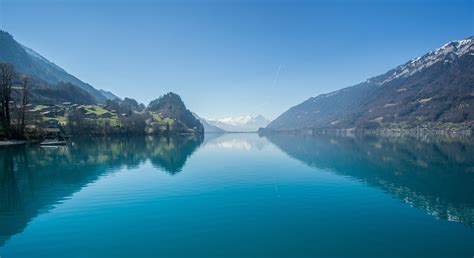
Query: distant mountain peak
(208,128)
(246,123)
(238,120)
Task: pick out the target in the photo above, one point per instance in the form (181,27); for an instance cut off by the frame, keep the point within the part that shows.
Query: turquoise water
(239,195)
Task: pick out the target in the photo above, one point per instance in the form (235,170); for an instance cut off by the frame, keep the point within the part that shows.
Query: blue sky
(228,58)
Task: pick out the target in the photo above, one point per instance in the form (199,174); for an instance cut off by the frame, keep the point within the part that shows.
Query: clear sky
(228,58)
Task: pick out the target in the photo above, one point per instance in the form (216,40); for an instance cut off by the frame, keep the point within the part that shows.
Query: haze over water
(239,195)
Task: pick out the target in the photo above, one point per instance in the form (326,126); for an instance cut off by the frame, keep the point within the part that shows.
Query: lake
(239,195)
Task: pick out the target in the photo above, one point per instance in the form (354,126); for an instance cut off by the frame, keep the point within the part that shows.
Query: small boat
(53,142)
(55,137)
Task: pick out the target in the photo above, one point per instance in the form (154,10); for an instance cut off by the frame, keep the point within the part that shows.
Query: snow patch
(446,53)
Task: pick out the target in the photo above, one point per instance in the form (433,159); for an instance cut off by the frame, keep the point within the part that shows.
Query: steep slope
(172,107)
(434,89)
(240,123)
(109,95)
(62,92)
(29,62)
(43,93)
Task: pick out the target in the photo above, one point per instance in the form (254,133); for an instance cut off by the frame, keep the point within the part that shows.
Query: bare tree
(6,77)
(24,102)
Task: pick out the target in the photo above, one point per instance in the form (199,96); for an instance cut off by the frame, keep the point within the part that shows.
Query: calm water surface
(239,195)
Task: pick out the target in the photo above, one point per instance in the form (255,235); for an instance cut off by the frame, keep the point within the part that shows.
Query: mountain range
(208,128)
(436,89)
(240,123)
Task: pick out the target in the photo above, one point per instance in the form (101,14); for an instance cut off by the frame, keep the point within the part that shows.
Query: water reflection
(432,173)
(171,153)
(235,141)
(34,179)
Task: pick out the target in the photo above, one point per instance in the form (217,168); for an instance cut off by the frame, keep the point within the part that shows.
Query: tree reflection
(34,179)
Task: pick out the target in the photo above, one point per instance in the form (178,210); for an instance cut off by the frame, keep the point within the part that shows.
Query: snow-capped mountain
(240,123)
(208,128)
(428,91)
(446,53)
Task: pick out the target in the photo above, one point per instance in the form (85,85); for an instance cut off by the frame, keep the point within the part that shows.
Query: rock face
(170,106)
(27,61)
(435,89)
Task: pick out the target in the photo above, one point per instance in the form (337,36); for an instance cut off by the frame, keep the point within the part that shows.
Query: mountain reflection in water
(33,179)
(432,173)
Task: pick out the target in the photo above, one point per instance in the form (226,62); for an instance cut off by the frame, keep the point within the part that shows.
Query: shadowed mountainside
(434,91)
(27,61)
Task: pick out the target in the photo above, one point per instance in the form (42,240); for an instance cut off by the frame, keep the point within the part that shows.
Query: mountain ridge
(30,62)
(208,128)
(433,89)
(246,123)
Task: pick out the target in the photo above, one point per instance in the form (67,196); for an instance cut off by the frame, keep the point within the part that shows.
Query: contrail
(272,88)
(275,80)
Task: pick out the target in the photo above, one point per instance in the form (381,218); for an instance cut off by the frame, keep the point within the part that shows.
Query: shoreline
(379,132)
(12,142)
